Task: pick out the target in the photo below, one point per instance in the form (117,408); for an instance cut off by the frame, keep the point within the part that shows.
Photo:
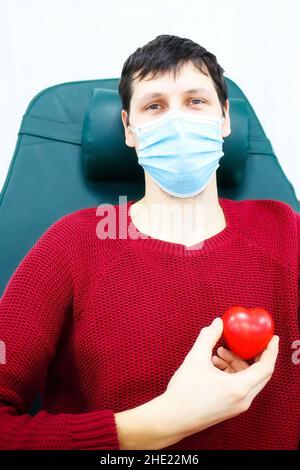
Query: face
(191,91)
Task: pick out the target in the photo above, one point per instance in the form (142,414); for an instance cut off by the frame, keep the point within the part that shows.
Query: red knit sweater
(100,326)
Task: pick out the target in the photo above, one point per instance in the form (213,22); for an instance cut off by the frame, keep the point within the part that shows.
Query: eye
(150,106)
(197,99)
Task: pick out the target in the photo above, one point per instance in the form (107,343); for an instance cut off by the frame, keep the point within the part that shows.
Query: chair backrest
(71,153)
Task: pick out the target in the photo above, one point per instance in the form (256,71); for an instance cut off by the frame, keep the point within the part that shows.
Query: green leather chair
(71,153)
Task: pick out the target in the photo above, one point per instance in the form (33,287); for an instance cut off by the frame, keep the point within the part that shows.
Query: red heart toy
(247,331)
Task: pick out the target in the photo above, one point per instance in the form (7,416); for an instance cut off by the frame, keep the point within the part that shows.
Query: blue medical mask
(180,150)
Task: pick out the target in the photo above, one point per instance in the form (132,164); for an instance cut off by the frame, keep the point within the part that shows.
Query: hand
(205,391)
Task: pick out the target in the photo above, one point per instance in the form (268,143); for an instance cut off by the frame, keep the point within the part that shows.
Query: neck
(181,220)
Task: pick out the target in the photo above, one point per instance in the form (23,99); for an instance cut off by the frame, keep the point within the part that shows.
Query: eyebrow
(156,94)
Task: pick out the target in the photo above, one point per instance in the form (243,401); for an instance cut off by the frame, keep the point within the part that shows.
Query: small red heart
(247,331)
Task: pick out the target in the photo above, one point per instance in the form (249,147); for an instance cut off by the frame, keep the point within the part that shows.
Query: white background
(43,43)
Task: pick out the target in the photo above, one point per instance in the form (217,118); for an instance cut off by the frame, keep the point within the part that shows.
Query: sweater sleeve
(33,309)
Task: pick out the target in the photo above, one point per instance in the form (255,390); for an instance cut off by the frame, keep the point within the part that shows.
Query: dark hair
(168,53)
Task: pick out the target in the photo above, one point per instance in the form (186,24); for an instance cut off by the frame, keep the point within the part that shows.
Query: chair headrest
(105,154)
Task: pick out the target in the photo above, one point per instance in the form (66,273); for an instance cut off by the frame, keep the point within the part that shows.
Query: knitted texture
(100,325)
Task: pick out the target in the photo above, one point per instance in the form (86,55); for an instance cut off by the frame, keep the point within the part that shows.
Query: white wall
(43,43)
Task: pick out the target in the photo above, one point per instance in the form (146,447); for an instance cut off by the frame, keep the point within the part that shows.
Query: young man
(118,333)
(221,252)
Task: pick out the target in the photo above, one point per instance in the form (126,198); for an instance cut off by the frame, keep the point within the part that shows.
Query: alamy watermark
(2,352)
(296,353)
(182,221)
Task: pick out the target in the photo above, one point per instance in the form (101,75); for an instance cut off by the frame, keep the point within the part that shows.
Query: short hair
(168,53)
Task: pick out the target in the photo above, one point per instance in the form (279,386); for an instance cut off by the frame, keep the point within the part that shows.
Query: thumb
(208,337)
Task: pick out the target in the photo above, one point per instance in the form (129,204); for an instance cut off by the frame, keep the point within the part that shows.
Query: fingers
(207,339)
(261,370)
(220,363)
(228,361)
(233,359)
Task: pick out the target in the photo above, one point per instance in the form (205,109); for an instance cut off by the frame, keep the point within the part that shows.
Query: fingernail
(216,321)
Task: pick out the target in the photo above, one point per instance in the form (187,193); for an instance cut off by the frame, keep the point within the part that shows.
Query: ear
(129,137)
(226,130)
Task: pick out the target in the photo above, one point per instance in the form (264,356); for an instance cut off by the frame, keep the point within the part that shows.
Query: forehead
(188,78)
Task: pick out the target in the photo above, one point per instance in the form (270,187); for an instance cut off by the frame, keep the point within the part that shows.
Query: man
(118,332)
(168,88)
